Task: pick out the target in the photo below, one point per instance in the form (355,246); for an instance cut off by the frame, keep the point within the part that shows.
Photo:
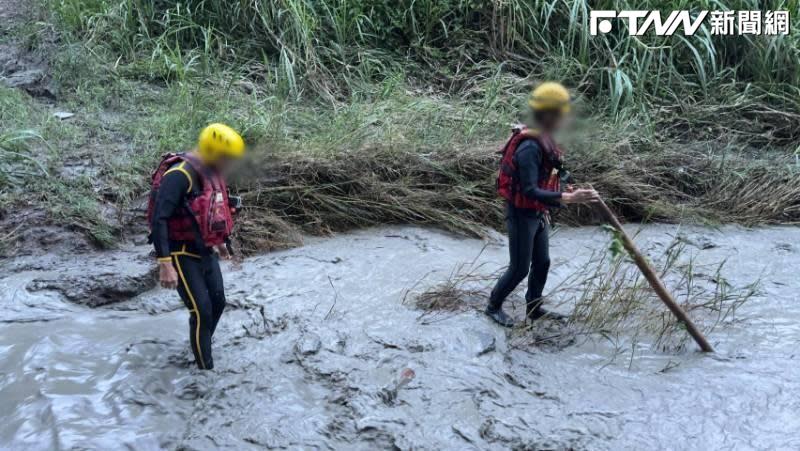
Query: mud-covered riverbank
(309,352)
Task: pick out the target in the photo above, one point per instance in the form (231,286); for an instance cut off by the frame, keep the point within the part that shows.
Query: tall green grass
(330,47)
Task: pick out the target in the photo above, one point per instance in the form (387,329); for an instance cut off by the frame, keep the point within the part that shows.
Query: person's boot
(534,311)
(499,316)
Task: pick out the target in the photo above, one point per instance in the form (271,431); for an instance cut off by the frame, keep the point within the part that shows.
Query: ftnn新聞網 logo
(720,22)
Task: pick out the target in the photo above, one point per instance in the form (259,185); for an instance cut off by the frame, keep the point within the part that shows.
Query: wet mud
(25,70)
(322,348)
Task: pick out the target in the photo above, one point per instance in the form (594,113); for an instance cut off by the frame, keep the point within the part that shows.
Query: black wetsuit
(528,231)
(199,277)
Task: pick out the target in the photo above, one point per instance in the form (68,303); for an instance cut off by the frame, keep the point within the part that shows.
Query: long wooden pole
(654,280)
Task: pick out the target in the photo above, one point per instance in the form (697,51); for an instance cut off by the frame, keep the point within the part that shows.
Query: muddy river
(309,352)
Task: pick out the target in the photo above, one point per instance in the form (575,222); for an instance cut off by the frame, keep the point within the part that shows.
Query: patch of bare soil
(109,286)
(20,68)
(10,10)
(29,231)
(26,71)
(84,277)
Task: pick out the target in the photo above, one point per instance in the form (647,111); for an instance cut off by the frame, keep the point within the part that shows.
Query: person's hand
(580,196)
(222,251)
(167,275)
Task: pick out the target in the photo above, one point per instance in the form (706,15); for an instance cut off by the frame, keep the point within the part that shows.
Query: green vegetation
(611,298)
(366,112)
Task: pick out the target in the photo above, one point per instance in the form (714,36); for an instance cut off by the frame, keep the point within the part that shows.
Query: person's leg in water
(216,290)
(540,262)
(540,267)
(521,229)
(195,294)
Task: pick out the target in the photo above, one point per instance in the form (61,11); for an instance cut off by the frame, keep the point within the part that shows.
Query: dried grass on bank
(288,194)
(451,190)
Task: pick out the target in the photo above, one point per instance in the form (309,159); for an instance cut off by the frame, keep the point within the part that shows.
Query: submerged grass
(612,299)
(609,299)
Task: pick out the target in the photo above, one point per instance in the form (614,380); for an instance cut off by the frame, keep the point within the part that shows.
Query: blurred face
(224,165)
(549,121)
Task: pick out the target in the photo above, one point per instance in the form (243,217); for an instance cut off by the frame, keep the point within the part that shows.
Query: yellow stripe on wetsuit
(195,310)
(182,168)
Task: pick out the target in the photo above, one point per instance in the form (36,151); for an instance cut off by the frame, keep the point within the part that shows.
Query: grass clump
(607,299)
(612,299)
(374,185)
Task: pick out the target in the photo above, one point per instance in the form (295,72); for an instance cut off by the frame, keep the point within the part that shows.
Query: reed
(607,299)
(330,47)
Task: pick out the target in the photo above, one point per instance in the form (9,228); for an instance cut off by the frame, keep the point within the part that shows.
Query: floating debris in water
(406,376)
(389,393)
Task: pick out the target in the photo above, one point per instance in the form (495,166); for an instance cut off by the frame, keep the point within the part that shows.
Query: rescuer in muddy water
(530,181)
(190,216)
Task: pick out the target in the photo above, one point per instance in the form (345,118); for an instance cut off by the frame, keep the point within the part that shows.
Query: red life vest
(508,185)
(208,211)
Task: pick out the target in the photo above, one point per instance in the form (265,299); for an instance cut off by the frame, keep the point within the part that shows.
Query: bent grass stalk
(609,299)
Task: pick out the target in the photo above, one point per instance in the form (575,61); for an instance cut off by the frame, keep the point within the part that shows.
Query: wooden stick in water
(654,280)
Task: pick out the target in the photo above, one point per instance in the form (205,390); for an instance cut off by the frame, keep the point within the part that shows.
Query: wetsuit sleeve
(529,157)
(171,194)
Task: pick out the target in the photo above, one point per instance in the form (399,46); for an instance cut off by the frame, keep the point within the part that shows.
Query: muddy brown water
(315,337)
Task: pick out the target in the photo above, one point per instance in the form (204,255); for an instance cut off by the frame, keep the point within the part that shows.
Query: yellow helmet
(550,96)
(217,141)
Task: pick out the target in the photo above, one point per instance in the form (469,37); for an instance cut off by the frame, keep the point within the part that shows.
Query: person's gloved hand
(222,251)
(167,275)
(580,196)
